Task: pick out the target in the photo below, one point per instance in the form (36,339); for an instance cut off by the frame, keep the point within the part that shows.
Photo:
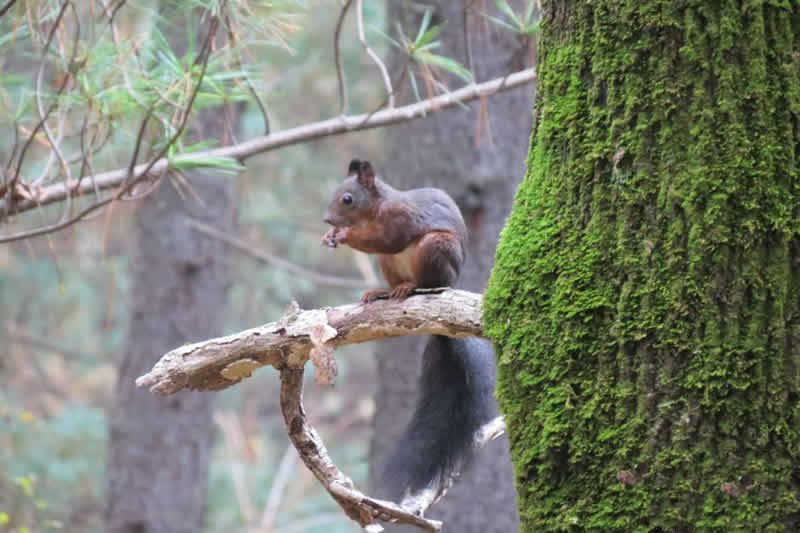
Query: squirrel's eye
(347,198)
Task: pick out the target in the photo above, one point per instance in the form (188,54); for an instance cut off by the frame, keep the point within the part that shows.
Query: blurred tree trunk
(478,157)
(159,448)
(646,298)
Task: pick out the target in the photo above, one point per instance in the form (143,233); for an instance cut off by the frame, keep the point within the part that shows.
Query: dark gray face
(350,202)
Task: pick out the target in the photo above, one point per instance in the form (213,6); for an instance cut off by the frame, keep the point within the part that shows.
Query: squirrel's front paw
(334,237)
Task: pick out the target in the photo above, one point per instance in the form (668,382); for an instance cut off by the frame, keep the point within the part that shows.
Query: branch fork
(303,335)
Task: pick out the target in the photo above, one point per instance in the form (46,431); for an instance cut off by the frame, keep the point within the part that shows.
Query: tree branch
(274,261)
(359,507)
(302,335)
(241,151)
(8,5)
(134,174)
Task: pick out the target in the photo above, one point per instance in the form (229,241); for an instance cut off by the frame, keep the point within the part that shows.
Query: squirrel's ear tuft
(354,167)
(366,176)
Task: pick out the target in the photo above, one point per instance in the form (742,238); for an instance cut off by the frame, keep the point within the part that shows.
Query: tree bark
(646,296)
(479,162)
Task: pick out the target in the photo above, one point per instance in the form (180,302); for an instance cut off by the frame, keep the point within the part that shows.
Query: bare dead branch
(219,363)
(289,343)
(365,510)
(359,507)
(330,127)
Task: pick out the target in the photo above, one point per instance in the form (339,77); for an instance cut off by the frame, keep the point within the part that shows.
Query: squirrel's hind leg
(438,260)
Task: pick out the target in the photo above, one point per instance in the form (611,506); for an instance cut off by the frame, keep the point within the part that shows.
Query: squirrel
(420,237)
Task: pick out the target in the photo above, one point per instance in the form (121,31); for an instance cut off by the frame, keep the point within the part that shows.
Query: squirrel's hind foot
(402,291)
(371,296)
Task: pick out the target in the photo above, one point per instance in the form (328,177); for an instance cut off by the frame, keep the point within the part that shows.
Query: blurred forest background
(65,297)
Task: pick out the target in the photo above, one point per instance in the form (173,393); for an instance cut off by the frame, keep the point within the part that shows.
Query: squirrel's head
(356,198)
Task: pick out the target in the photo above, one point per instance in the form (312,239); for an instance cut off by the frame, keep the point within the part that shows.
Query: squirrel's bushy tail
(456,400)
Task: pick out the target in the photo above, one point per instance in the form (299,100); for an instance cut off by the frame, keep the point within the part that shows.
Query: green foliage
(524,24)
(645,299)
(116,78)
(48,466)
(420,52)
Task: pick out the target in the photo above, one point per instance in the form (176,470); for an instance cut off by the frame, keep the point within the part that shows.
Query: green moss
(646,298)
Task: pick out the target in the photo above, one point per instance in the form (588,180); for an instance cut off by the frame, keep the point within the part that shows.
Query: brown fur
(434,260)
(389,231)
(419,234)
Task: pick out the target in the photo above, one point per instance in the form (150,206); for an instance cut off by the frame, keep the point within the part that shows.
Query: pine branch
(244,150)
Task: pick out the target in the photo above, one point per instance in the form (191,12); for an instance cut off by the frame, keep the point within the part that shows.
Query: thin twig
(137,145)
(8,5)
(279,484)
(116,40)
(274,261)
(400,80)
(14,146)
(54,143)
(262,106)
(387,81)
(337,56)
(467,35)
(21,158)
(57,142)
(117,8)
(86,155)
(17,335)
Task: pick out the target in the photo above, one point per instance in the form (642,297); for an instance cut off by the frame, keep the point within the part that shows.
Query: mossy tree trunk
(646,297)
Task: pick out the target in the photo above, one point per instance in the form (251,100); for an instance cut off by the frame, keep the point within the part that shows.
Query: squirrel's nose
(328,220)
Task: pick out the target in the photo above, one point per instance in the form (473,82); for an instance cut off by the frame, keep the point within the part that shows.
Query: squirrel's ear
(366,176)
(354,167)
